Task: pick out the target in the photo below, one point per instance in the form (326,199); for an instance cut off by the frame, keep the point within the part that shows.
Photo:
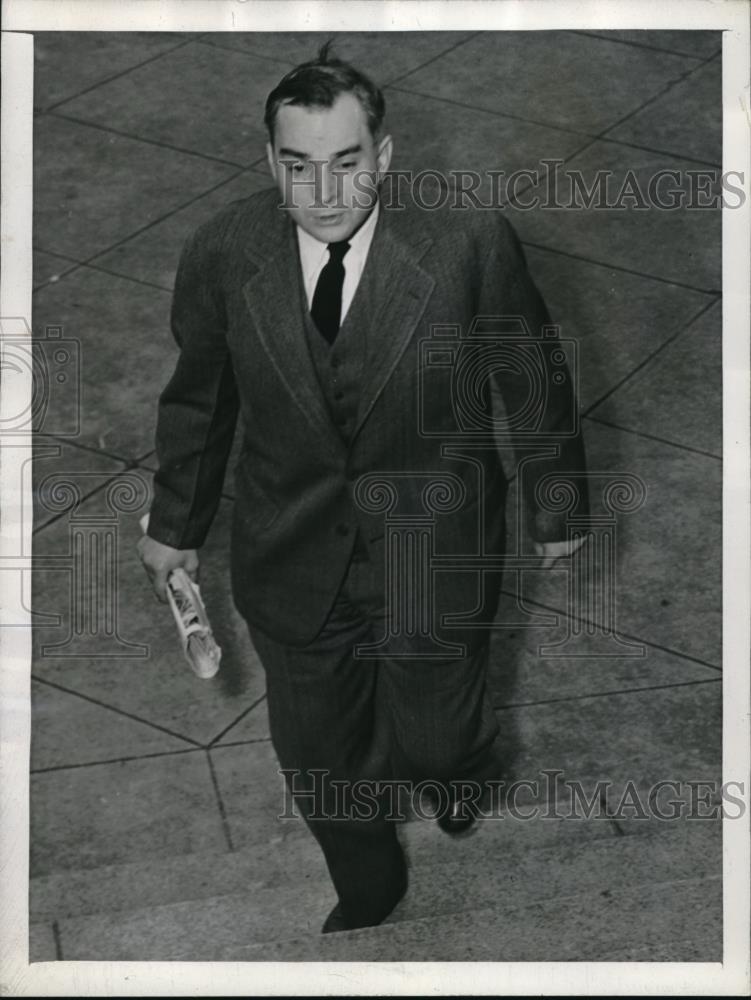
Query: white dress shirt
(314,256)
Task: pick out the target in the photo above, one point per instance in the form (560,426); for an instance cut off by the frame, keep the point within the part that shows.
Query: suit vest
(339,366)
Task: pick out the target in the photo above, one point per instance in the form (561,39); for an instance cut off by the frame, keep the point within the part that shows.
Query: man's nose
(328,187)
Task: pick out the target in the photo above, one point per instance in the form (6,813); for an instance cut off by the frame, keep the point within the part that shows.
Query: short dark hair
(319,82)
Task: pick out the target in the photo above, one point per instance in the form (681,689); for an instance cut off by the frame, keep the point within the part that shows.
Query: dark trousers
(363,720)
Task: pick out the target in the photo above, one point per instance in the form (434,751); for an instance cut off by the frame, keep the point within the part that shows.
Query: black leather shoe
(456,817)
(336,920)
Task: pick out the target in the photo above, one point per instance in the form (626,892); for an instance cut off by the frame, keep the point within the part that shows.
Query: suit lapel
(275,299)
(399,293)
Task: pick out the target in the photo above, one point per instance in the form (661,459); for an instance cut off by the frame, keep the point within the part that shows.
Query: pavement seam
(714,292)
(592,136)
(84,498)
(705,307)
(642,45)
(210,43)
(608,266)
(219,801)
(90,261)
(81,446)
(115,760)
(670,86)
(496,114)
(652,437)
(506,706)
(119,711)
(213,742)
(132,137)
(179,45)
(416,69)
(624,635)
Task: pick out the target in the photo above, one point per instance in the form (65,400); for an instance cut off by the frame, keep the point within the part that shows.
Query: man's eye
(348,164)
(297,168)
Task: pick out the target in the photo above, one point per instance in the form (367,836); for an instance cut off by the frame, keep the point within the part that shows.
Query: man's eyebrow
(357,148)
(297,155)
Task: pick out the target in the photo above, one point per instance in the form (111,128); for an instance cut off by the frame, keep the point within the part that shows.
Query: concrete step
(658,921)
(196,876)
(481,878)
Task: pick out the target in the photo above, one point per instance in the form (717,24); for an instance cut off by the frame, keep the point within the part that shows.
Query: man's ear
(271,160)
(385,149)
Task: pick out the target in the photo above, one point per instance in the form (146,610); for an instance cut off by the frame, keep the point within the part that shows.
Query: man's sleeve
(538,393)
(198,408)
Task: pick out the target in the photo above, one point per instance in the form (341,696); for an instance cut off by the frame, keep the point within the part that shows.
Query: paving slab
(126,351)
(255,797)
(49,267)
(250,728)
(69,730)
(149,102)
(586,84)
(434,135)
(685,121)
(677,395)
(68,62)
(524,669)
(679,244)
(667,574)
(382,55)
(137,666)
(126,811)
(608,744)
(152,254)
(55,463)
(93,188)
(616,319)
(701,44)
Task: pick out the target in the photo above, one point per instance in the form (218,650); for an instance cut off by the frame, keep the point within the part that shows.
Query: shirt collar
(312,250)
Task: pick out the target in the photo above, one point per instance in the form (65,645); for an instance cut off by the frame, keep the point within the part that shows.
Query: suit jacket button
(342,529)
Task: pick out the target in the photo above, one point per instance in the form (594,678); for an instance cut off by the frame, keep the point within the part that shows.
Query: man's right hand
(159,560)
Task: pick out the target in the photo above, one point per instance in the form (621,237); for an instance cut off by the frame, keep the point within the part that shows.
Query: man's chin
(331,229)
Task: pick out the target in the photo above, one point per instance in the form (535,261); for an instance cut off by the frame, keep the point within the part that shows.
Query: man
(309,316)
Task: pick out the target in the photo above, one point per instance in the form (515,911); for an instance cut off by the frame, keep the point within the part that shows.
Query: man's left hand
(551,552)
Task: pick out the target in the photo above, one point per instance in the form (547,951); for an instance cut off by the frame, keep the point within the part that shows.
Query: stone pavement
(155,795)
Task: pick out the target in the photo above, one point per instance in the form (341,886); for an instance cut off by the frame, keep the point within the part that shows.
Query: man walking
(304,308)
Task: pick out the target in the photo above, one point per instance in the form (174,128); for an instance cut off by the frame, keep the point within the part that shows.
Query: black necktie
(327,301)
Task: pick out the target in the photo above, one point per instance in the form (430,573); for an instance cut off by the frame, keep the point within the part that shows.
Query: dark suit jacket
(238,320)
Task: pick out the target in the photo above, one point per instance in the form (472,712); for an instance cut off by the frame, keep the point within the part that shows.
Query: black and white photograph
(368,542)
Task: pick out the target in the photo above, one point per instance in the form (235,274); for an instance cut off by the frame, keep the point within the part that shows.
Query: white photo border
(17,977)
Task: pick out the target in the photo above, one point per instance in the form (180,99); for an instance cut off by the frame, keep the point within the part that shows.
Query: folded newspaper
(199,646)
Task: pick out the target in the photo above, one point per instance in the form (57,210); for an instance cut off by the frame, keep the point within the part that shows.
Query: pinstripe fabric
(238,321)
